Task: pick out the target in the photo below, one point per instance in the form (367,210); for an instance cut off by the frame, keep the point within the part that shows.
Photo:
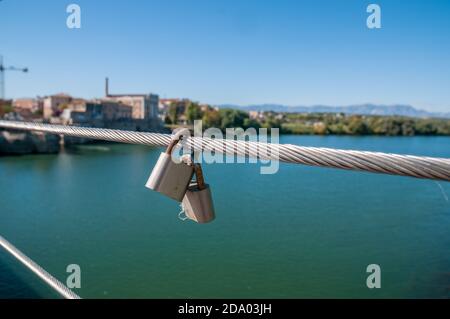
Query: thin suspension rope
(54,283)
(376,162)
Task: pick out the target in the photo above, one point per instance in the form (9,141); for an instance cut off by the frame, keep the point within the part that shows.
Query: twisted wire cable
(54,283)
(376,162)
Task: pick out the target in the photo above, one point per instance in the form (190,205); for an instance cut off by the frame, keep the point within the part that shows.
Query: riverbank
(17,142)
(309,123)
(20,143)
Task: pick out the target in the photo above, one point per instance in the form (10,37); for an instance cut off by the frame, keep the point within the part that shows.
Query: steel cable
(376,162)
(54,283)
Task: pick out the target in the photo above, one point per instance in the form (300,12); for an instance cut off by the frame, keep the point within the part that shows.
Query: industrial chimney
(106,87)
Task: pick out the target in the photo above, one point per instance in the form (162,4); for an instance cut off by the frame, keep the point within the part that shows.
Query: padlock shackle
(178,136)
(199,176)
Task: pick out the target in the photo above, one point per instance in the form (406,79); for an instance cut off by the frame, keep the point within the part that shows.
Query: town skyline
(357,109)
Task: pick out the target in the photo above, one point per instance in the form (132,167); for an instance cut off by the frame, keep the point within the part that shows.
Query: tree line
(309,123)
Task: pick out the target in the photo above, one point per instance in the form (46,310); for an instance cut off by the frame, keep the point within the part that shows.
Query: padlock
(197,203)
(170,178)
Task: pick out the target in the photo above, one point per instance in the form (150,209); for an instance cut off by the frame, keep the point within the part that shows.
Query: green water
(303,232)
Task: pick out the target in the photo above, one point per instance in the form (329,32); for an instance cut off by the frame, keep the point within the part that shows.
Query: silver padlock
(170,178)
(197,203)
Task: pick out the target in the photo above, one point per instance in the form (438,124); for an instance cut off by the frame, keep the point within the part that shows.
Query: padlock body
(198,204)
(170,178)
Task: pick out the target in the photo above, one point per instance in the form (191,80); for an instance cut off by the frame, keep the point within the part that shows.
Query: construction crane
(2,75)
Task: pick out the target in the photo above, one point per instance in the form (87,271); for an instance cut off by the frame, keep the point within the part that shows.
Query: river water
(303,232)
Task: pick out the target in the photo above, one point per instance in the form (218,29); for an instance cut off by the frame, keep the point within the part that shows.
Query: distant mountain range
(362,109)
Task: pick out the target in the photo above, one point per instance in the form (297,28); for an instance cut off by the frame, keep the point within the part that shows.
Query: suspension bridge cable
(376,162)
(54,283)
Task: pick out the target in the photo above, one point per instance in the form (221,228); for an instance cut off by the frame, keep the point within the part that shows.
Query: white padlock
(168,177)
(197,203)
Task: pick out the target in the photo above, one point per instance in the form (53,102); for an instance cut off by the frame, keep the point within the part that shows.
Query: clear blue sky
(226,51)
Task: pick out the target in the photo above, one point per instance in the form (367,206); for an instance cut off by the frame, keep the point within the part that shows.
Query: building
(256,115)
(97,111)
(109,110)
(180,106)
(28,104)
(143,106)
(164,104)
(54,104)
(77,105)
